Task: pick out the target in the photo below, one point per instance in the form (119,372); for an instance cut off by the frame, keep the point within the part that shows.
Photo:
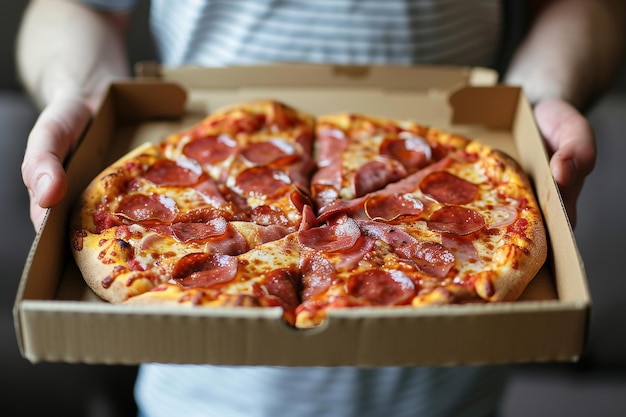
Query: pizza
(263,205)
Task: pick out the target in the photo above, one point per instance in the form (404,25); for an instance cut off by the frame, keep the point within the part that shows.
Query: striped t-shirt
(241,32)
(244,32)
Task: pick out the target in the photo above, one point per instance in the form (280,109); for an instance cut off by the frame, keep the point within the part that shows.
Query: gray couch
(591,387)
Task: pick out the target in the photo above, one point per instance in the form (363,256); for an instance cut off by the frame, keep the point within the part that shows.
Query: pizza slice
(477,203)
(161,200)
(146,187)
(260,154)
(466,228)
(482,206)
(347,263)
(266,276)
(357,154)
(123,261)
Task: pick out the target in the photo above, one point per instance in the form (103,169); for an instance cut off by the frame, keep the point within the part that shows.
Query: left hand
(571,146)
(55,133)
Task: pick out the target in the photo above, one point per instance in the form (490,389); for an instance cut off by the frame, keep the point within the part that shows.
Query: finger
(570,143)
(569,139)
(53,136)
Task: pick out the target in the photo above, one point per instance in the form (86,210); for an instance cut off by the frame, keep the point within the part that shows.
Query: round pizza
(263,205)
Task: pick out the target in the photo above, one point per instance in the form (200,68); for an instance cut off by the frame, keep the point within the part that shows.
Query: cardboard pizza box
(58,318)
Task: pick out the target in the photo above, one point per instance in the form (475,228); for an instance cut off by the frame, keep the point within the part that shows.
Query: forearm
(67,50)
(573,51)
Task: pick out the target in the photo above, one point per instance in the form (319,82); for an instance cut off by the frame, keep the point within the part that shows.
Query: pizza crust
(514,272)
(519,259)
(89,252)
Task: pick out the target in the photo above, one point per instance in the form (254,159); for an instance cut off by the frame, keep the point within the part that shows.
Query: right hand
(571,146)
(54,135)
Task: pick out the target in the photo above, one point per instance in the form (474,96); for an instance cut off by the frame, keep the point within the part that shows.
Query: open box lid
(57,318)
(424,78)
(212,88)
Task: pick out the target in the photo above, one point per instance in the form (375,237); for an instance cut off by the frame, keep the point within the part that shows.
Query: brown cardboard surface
(58,318)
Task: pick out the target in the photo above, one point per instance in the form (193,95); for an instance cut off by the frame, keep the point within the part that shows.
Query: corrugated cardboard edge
(124,339)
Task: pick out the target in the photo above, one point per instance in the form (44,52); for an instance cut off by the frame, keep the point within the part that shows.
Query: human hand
(54,135)
(571,146)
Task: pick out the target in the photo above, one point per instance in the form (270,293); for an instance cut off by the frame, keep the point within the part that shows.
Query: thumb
(54,135)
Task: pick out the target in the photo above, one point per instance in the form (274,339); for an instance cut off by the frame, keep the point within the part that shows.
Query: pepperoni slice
(392,235)
(411,183)
(376,174)
(299,199)
(350,258)
(232,242)
(141,207)
(317,273)
(391,206)
(447,188)
(299,170)
(309,219)
(105,220)
(462,247)
(199,215)
(272,151)
(268,215)
(381,287)
(456,220)
(186,232)
(204,269)
(340,207)
(167,172)
(412,152)
(210,192)
(151,241)
(329,174)
(282,284)
(247,123)
(261,181)
(431,257)
(330,144)
(339,236)
(271,232)
(211,149)
(324,196)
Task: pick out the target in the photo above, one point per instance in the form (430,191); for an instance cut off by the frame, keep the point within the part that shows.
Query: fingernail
(41,187)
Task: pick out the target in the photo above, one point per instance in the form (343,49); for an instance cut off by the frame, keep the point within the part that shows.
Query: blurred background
(593,386)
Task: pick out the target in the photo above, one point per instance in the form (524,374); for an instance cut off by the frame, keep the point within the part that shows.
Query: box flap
(424,78)
(136,101)
(493,107)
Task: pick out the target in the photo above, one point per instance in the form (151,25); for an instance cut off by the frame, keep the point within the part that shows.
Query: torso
(346,32)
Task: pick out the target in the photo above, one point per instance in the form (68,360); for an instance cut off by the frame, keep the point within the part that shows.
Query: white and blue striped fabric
(221,391)
(240,32)
(244,32)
